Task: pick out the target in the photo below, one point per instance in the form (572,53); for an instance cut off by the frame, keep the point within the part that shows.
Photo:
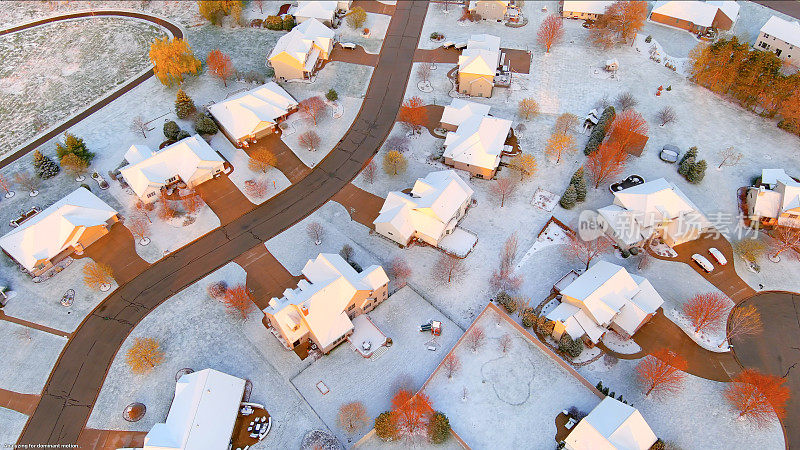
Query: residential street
(78,375)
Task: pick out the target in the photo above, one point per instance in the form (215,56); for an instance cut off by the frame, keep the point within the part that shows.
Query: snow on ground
(197,332)
(86,57)
(351,377)
(374,442)
(524,389)
(35,350)
(552,235)
(460,242)
(781,276)
(247,47)
(697,411)
(377,24)
(16,11)
(615,342)
(348,80)
(329,128)
(752,17)
(708,339)
(275,179)
(13,423)
(41,302)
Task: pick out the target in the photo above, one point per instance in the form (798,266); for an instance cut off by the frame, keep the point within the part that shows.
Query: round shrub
(183,135)
(171,130)
(217,290)
(529,319)
(332,95)
(204,125)
(625,253)
(385,427)
(438,428)
(634,251)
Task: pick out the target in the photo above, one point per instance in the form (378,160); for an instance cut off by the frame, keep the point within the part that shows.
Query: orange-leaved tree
(624,18)
(606,162)
(262,160)
(625,128)
(758,397)
(97,275)
(661,372)
(220,65)
(550,31)
(413,114)
(410,413)
(238,300)
(705,311)
(144,355)
(172,59)
(558,144)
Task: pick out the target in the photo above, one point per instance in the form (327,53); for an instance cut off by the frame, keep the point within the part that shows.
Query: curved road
(76,379)
(169,26)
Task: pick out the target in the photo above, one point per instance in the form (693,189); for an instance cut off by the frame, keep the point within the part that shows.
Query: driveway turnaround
(76,379)
(776,350)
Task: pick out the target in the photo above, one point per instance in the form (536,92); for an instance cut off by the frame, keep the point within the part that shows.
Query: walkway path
(288,162)
(33,325)
(266,276)
(110,439)
(21,403)
(372,6)
(352,55)
(76,379)
(174,29)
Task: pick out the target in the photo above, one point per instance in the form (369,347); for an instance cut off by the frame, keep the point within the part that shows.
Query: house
(202,415)
(248,116)
(654,209)
(489,9)
(780,36)
(776,201)
(323,11)
(321,308)
(428,212)
(584,10)
(459,110)
(479,139)
(604,297)
(477,65)
(67,226)
(299,53)
(696,16)
(190,160)
(611,425)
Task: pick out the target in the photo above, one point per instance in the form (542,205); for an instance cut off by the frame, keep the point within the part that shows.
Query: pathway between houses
(21,403)
(352,55)
(266,276)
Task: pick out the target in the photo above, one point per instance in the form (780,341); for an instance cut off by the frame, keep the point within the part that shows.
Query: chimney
(304,308)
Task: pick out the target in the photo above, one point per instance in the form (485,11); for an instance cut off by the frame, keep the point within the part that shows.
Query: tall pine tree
(184,105)
(44,166)
(568,199)
(74,144)
(579,181)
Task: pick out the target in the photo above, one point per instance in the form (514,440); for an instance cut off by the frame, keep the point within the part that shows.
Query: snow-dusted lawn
(708,339)
(19,11)
(330,128)
(197,332)
(351,377)
(54,70)
(348,80)
(41,302)
(275,179)
(696,416)
(377,24)
(524,389)
(13,423)
(374,442)
(35,350)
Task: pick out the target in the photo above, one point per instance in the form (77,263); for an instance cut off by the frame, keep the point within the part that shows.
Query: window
(151,194)
(350,308)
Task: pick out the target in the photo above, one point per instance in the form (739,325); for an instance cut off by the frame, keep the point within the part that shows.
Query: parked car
(718,256)
(631,181)
(669,153)
(704,263)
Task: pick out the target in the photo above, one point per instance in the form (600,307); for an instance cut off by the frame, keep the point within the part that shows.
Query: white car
(718,256)
(703,262)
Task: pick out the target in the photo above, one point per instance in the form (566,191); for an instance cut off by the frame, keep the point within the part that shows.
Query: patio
(366,337)
(252,425)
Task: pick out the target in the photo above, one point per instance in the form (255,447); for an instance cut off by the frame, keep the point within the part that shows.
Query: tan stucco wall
(475,85)
(474,170)
(284,69)
(788,52)
(579,15)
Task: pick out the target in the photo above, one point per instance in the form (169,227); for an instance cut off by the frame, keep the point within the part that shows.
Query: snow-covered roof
(654,201)
(576,322)
(299,42)
(696,12)
(473,3)
(482,55)
(767,203)
(611,425)
(589,7)
(183,158)
(772,176)
(478,141)
(785,30)
(459,110)
(790,196)
(430,206)
(249,112)
(319,302)
(202,414)
(321,10)
(55,229)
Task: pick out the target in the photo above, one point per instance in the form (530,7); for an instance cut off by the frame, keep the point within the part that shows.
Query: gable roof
(459,110)
(183,158)
(654,201)
(696,12)
(317,9)
(202,414)
(482,55)
(430,206)
(301,39)
(478,141)
(612,425)
(785,30)
(55,229)
(589,7)
(728,7)
(242,114)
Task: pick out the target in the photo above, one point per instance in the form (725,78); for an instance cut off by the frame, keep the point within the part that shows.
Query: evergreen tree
(697,172)
(204,125)
(569,198)
(686,165)
(332,95)
(579,181)
(183,134)
(171,130)
(438,428)
(184,106)
(44,166)
(75,145)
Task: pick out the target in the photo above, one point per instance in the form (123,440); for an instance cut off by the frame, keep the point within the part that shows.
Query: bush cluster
(576,191)
(507,302)
(572,347)
(205,125)
(438,428)
(694,171)
(276,23)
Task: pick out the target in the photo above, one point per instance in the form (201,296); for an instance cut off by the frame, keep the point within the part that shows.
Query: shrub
(204,125)
(438,428)
(355,266)
(579,181)
(576,413)
(599,130)
(437,36)
(273,23)
(288,22)
(529,319)
(669,88)
(256,23)
(332,95)
(569,198)
(634,251)
(217,290)
(659,445)
(625,253)
(87,187)
(43,166)
(648,39)
(171,130)
(572,347)
(503,298)
(184,105)
(183,134)
(510,305)
(385,427)
(356,17)
(697,172)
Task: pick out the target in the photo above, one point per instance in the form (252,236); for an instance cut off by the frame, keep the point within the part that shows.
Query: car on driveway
(718,256)
(670,153)
(704,263)
(631,181)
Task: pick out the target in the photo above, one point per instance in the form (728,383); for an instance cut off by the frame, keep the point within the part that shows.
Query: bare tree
(310,140)
(370,170)
(451,365)
(27,181)
(138,125)
(316,232)
(474,340)
(626,100)
(424,72)
(729,157)
(503,188)
(504,277)
(586,251)
(666,115)
(352,417)
(449,267)
(504,343)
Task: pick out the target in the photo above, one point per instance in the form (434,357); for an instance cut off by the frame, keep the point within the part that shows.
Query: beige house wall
(579,15)
(490,10)
(770,43)
(475,85)
(285,69)
(480,172)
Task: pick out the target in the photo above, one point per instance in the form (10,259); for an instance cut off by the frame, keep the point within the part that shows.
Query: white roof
(611,425)
(202,414)
(767,203)
(478,141)
(459,110)
(772,176)
(481,56)
(184,158)
(299,42)
(433,202)
(785,30)
(473,3)
(58,227)
(248,112)
(790,196)
(329,286)
(590,7)
(322,10)
(654,201)
(576,322)
(696,12)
